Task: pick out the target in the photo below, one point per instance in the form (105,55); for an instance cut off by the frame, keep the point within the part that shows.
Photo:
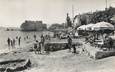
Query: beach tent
(102,26)
(89,26)
(83,27)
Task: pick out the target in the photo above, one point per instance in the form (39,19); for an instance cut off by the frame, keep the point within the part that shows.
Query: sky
(14,12)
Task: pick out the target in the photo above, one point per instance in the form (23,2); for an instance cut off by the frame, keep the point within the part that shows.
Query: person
(35,46)
(69,42)
(24,38)
(106,41)
(39,48)
(16,37)
(74,49)
(27,37)
(47,50)
(13,42)
(42,42)
(49,38)
(86,39)
(19,39)
(110,43)
(34,37)
(8,41)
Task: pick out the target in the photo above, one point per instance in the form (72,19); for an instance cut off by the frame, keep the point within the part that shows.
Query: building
(33,26)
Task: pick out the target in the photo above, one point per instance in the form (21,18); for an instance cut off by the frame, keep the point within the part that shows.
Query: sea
(13,34)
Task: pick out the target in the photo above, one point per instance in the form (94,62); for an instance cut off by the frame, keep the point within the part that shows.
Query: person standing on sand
(24,38)
(19,40)
(110,42)
(39,48)
(34,37)
(27,37)
(16,37)
(8,41)
(14,42)
(11,43)
(74,49)
(36,46)
(69,40)
(86,39)
(42,42)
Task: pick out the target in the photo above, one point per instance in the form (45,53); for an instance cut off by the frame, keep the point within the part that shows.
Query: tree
(56,26)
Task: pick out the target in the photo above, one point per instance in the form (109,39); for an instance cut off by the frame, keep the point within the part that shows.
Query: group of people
(90,38)
(70,45)
(26,37)
(12,41)
(107,41)
(39,45)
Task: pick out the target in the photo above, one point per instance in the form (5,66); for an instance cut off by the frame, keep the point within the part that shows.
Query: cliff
(33,26)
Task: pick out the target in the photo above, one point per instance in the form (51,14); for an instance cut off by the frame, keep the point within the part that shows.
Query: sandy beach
(57,36)
(60,61)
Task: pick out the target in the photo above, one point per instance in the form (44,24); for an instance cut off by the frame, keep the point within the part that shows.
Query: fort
(33,26)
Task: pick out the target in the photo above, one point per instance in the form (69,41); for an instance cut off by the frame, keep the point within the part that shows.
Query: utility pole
(72,11)
(73,14)
(106,4)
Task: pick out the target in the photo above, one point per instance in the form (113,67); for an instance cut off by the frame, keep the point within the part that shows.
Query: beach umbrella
(89,26)
(102,26)
(83,27)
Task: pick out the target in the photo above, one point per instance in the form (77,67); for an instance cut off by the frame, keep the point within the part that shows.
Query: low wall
(55,46)
(59,46)
(96,53)
(103,54)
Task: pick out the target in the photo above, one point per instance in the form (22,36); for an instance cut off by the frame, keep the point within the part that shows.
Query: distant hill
(33,26)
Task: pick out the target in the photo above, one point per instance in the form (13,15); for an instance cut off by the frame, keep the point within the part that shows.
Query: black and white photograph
(57,35)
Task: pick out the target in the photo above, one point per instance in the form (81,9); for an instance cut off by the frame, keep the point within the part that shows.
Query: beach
(12,35)
(60,61)
(57,36)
